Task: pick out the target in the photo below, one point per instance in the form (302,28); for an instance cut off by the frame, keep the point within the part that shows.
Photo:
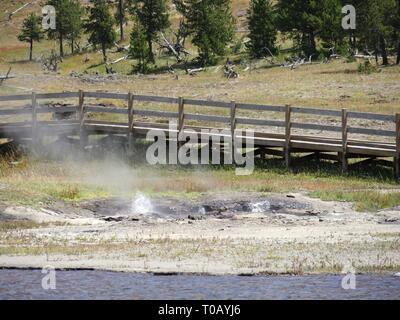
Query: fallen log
(19,9)
(6,77)
(171,48)
(193,72)
(119,60)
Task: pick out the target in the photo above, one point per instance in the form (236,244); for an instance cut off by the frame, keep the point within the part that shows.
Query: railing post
(181,125)
(130,121)
(397,157)
(82,132)
(34,121)
(288,129)
(233,129)
(345,130)
(181,114)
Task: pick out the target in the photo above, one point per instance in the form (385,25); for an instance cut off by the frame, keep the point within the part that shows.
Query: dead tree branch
(177,48)
(19,9)
(229,70)
(6,77)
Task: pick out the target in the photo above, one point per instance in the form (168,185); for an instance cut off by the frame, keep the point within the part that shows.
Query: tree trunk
(383,50)
(121,18)
(61,46)
(353,43)
(313,45)
(72,45)
(398,34)
(103,48)
(151,55)
(30,50)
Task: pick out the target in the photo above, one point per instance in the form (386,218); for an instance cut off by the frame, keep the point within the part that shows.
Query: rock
(290,196)
(113,219)
(190,217)
(397,274)
(312,213)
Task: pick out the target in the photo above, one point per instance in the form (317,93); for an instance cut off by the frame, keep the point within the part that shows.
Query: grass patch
(24,224)
(37,182)
(363,200)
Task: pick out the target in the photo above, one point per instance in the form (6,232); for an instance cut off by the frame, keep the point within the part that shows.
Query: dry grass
(254,255)
(23,224)
(364,200)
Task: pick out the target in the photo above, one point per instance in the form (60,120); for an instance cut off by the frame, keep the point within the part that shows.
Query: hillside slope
(10,28)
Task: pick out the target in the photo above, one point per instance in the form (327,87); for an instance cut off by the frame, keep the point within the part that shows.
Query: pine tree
(100,26)
(31,31)
(376,25)
(153,16)
(261,23)
(139,48)
(120,17)
(211,24)
(305,20)
(65,12)
(75,22)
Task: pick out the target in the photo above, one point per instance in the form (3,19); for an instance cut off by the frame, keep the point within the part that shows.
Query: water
(26,284)
(142,204)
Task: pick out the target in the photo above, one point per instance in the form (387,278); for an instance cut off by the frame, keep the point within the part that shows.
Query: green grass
(33,182)
(363,200)
(37,182)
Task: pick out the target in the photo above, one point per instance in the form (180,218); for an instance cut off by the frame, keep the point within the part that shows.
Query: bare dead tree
(51,62)
(6,77)
(229,70)
(175,48)
(122,49)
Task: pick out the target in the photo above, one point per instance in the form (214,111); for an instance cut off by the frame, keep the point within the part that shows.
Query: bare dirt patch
(217,234)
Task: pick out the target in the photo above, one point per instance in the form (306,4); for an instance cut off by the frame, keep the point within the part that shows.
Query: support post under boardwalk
(83,137)
(233,129)
(34,121)
(397,157)
(288,129)
(130,122)
(181,123)
(345,130)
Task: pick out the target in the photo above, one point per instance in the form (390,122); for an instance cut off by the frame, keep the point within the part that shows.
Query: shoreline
(195,274)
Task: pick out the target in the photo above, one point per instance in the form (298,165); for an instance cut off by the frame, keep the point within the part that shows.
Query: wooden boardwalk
(375,145)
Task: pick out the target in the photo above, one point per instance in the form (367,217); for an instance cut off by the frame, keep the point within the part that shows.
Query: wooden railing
(232,121)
